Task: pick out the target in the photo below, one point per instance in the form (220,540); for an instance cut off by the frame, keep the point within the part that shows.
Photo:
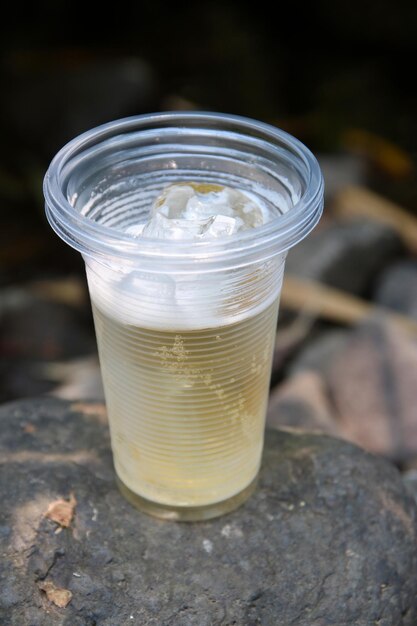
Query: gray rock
(397,288)
(340,170)
(42,330)
(410,480)
(317,355)
(328,538)
(35,332)
(345,254)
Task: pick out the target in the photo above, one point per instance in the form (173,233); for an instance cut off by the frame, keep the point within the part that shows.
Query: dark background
(340,76)
(318,70)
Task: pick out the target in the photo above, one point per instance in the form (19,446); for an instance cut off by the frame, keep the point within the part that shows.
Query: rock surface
(328,538)
(36,333)
(347,255)
(301,402)
(318,353)
(397,288)
(372,384)
(358,384)
(410,480)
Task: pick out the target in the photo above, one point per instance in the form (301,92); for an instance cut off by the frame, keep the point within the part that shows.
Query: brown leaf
(71,290)
(93,409)
(60,597)
(29,428)
(62,511)
(387,156)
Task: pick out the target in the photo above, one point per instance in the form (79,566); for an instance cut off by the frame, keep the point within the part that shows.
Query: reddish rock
(301,402)
(373,386)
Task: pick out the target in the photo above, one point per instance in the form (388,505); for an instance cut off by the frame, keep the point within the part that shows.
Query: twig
(335,305)
(353,201)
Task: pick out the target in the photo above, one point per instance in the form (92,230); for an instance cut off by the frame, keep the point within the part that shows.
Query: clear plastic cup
(185,330)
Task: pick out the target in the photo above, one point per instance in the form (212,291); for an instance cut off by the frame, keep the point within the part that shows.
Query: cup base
(187,513)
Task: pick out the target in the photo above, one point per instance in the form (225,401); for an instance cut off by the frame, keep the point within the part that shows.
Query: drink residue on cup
(201,211)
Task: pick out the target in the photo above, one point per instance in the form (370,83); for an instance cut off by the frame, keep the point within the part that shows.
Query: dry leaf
(62,511)
(71,291)
(29,428)
(386,155)
(95,409)
(60,597)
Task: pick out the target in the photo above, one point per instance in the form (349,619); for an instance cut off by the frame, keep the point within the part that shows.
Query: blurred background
(339,76)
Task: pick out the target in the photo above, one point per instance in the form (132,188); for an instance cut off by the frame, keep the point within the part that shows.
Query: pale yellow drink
(187,407)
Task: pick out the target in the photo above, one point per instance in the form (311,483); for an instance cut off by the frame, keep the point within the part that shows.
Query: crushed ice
(199,211)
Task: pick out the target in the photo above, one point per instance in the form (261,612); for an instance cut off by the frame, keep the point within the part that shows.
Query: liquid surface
(187,408)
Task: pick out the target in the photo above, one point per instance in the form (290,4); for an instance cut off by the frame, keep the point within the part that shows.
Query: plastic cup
(185,330)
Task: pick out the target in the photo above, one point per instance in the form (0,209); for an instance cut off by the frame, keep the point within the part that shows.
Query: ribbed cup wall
(187,407)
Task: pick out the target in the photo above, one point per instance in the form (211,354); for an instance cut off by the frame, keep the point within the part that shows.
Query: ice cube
(162,227)
(198,211)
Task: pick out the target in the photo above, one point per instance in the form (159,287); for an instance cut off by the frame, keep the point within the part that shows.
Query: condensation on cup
(184,221)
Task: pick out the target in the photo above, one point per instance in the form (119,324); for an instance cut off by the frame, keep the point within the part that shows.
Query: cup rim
(103,242)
